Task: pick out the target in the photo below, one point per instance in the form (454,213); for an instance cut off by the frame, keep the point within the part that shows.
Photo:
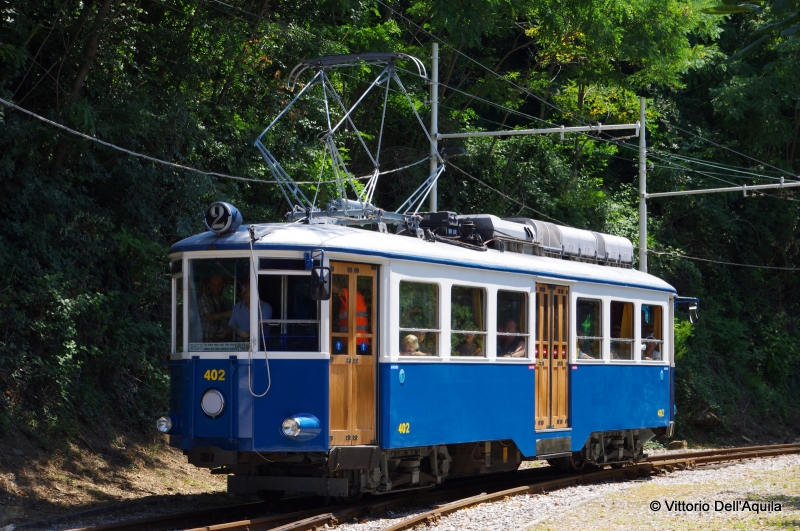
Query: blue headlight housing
(301,427)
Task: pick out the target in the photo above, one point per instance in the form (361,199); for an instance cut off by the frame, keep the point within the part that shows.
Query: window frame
(433,331)
(658,342)
(192,298)
(580,338)
(633,340)
(525,321)
(254,300)
(484,334)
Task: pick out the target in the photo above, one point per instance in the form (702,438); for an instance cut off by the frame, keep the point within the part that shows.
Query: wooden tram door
(353,346)
(552,376)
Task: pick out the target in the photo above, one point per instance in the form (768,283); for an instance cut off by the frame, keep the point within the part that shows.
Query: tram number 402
(215,375)
(404,427)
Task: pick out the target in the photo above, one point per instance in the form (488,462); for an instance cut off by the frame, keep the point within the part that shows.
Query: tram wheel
(577,463)
(562,464)
(270,497)
(353,497)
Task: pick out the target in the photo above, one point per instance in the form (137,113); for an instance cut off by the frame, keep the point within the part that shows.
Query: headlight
(290,427)
(213,403)
(164,424)
(301,427)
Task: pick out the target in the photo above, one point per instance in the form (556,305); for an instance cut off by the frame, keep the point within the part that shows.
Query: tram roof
(338,238)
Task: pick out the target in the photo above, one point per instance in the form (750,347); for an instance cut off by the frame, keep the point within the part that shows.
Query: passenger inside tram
(215,310)
(240,316)
(423,346)
(586,350)
(650,352)
(511,346)
(410,346)
(469,347)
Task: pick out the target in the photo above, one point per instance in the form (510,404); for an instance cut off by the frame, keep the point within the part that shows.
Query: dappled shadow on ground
(97,472)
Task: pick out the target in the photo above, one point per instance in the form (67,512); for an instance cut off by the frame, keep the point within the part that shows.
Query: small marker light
(164,424)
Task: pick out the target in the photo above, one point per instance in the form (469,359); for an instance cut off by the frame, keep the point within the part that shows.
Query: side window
(621,330)
(468,321)
(512,324)
(589,329)
(419,319)
(289,316)
(215,288)
(652,330)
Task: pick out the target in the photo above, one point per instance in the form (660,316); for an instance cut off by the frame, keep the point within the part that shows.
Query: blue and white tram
(423,359)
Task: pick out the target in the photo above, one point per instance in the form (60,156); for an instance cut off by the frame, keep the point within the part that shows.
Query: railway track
(466,494)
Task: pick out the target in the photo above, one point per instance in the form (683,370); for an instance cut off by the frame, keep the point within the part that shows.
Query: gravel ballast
(771,488)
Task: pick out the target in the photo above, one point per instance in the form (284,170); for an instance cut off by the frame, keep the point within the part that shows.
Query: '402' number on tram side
(215,375)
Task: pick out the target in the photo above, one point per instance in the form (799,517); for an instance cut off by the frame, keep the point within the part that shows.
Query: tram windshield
(216,305)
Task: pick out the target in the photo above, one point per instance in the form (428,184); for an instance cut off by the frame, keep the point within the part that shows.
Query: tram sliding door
(552,376)
(353,345)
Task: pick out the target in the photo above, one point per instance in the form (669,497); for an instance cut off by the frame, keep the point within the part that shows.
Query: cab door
(353,346)
(552,376)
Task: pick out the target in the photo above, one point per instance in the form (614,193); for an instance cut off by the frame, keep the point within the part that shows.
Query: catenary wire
(467,57)
(525,115)
(174,165)
(688,159)
(649,251)
(728,149)
(495,190)
(687,257)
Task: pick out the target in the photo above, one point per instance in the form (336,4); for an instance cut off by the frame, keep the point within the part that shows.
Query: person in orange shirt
(362,313)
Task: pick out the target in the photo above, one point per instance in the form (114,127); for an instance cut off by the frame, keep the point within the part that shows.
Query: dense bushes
(85,229)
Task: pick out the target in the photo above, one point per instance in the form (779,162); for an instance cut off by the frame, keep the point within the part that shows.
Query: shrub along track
(467,493)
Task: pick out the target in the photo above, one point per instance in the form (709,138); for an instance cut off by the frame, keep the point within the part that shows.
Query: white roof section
(371,245)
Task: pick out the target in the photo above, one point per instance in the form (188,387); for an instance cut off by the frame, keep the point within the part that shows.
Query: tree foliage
(85,299)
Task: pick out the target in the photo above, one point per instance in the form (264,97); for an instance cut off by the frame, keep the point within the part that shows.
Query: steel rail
(667,462)
(317,518)
(719,452)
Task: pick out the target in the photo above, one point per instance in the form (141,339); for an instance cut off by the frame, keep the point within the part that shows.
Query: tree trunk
(91,51)
(450,67)
(253,30)
(581,96)
(796,130)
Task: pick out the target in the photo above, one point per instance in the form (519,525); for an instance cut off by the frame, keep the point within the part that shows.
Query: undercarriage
(351,471)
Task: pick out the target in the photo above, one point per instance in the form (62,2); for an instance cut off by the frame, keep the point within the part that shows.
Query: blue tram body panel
(454,403)
(250,423)
(424,404)
(617,397)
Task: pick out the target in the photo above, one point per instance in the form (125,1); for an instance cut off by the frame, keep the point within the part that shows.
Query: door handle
(355,360)
(348,360)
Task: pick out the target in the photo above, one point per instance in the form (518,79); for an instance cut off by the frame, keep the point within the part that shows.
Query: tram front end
(250,383)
